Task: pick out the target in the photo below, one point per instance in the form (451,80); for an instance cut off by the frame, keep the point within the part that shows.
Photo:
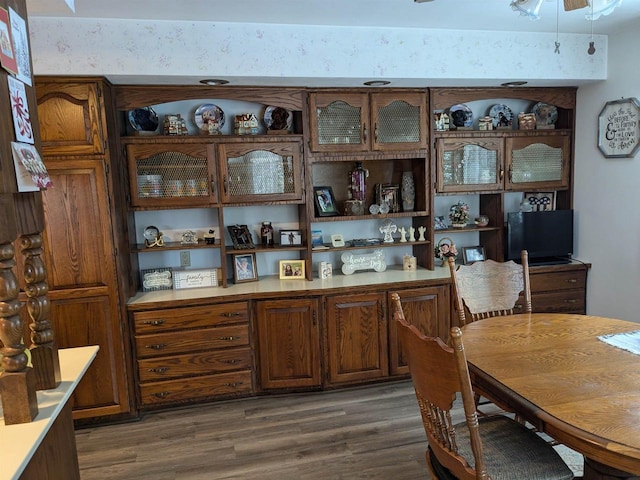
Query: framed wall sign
(619,128)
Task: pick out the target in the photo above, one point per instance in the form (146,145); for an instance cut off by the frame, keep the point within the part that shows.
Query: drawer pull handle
(162,394)
(229,338)
(233,385)
(570,300)
(572,280)
(156,346)
(231,361)
(231,314)
(517,306)
(154,322)
(159,370)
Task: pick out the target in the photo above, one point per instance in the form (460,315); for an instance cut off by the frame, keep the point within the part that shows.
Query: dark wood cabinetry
(288,343)
(192,353)
(356,337)
(85,229)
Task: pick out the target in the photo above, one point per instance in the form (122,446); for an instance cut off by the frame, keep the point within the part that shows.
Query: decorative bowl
(482,221)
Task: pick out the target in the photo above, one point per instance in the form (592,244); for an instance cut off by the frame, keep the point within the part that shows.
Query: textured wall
(308,55)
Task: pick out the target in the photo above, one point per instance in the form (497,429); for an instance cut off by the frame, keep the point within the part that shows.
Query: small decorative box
(195,278)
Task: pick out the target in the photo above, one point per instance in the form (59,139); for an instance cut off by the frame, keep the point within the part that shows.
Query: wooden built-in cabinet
(192,353)
(359,121)
(356,337)
(558,288)
(288,343)
(85,236)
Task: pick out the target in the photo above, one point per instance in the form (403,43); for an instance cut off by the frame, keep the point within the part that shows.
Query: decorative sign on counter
(619,128)
(365,261)
(156,279)
(195,278)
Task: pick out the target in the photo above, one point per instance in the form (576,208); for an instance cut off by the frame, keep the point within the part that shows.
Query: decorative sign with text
(619,128)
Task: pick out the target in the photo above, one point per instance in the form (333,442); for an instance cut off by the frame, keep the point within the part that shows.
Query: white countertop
(272,284)
(19,442)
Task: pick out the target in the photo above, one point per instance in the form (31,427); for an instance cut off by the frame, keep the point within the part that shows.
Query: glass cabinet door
(469,165)
(538,162)
(269,172)
(339,123)
(399,121)
(171,175)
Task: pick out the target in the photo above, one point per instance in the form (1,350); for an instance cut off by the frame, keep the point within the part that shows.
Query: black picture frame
(324,202)
(241,237)
(245,268)
(473,254)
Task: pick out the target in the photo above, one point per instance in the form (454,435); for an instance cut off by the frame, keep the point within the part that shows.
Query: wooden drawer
(192,388)
(565,301)
(549,282)
(170,343)
(192,364)
(191,317)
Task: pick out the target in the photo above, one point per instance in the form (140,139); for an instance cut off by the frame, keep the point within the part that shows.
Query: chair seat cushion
(511,451)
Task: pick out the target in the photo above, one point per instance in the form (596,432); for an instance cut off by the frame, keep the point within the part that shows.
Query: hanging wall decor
(619,128)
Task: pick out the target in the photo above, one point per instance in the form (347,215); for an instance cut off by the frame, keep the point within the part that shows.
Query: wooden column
(17,381)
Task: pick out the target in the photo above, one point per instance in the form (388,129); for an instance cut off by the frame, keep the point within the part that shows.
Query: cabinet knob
(231,361)
(153,322)
(364,132)
(570,300)
(158,370)
(231,314)
(572,280)
(225,184)
(233,385)
(162,394)
(156,346)
(229,338)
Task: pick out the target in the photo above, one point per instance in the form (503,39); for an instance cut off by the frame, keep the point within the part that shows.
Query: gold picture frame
(292,270)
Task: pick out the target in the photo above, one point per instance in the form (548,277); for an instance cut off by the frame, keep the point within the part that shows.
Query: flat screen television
(547,236)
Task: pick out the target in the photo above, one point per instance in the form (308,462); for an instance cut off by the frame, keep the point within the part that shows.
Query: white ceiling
(445,14)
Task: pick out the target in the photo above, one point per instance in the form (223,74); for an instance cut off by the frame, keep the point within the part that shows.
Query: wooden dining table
(553,370)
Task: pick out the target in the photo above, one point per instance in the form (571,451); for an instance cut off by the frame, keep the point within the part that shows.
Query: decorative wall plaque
(619,128)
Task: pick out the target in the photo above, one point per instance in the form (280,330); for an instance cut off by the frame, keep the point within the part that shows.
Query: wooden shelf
(142,248)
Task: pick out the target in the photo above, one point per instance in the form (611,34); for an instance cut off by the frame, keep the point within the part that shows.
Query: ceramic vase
(407,192)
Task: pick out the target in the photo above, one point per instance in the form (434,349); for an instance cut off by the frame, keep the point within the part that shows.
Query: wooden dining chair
(491,448)
(490,289)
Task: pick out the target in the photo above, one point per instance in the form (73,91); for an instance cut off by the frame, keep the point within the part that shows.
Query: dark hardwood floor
(372,432)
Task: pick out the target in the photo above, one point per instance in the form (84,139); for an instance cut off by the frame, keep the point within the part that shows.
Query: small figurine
(403,235)
(412,234)
(388,228)
(421,229)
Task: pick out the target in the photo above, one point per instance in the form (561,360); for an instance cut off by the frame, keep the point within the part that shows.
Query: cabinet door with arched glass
(260,172)
(538,162)
(399,121)
(469,164)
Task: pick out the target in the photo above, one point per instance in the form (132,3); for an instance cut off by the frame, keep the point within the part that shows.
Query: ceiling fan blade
(575,4)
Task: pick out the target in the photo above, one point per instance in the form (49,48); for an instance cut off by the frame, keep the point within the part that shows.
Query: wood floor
(372,432)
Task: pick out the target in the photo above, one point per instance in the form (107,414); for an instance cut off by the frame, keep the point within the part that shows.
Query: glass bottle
(358,182)
(266,234)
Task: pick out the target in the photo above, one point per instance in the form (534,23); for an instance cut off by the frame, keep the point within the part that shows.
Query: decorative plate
(461,115)
(501,116)
(209,115)
(143,119)
(277,118)
(545,114)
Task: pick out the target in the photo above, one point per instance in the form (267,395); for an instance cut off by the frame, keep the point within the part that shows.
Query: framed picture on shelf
(472,254)
(389,194)
(440,223)
(244,268)
(292,269)
(541,201)
(156,279)
(324,202)
(241,237)
(290,237)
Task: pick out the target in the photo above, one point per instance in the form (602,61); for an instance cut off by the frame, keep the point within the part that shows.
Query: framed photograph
(290,237)
(244,268)
(324,201)
(472,254)
(292,269)
(541,201)
(440,223)
(241,237)
(389,194)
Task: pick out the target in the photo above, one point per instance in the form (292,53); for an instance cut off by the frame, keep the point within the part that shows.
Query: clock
(152,237)
(619,128)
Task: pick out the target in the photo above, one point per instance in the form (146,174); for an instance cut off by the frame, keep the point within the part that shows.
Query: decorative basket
(452,247)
